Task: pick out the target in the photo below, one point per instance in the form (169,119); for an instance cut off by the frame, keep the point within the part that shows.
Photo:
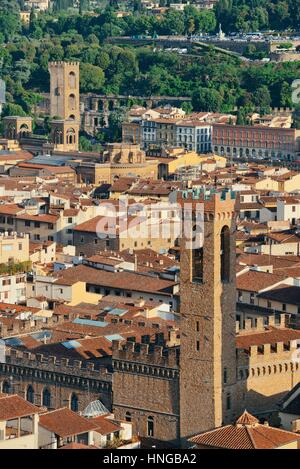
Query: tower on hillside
(207,330)
(64,90)
(65,104)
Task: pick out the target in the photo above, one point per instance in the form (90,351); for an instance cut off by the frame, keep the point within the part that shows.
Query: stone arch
(11,132)
(58,136)
(24,130)
(72,101)
(71,136)
(72,80)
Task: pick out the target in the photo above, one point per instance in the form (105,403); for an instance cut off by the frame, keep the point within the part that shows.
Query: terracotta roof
(120,280)
(284,237)
(64,422)
(271,335)
(246,419)
(70,212)
(247,433)
(42,218)
(10,209)
(278,262)
(53,169)
(13,406)
(105,425)
(255,281)
(109,225)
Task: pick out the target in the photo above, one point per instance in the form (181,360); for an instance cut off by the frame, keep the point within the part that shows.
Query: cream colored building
(19,428)
(14,247)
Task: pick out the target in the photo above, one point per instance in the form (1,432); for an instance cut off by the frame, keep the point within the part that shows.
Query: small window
(74,403)
(228,402)
(225,375)
(150,426)
(198,345)
(225,254)
(198,265)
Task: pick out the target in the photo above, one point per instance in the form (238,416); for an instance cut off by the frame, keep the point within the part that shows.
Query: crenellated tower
(64,105)
(207,308)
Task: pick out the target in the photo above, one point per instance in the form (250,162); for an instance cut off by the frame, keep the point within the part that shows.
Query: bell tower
(64,90)
(207,310)
(64,105)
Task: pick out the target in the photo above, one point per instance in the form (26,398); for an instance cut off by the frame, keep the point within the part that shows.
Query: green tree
(207,99)
(92,78)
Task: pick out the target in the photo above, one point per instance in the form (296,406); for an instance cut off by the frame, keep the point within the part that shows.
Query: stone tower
(64,90)
(64,104)
(207,324)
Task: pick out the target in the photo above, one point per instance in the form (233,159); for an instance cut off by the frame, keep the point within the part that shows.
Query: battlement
(39,361)
(214,201)
(146,353)
(260,325)
(21,326)
(61,63)
(265,343)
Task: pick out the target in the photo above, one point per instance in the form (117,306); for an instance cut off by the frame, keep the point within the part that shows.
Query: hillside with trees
(214,82)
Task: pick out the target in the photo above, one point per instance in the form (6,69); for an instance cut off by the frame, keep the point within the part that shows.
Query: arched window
(128,417)
(225,254)
(74,402)
(6,387)
(46,398)
(11,132)
(58,137)
(72,80)
(150,426)
(72,101)
(30,394)
(24,130)
(70,136)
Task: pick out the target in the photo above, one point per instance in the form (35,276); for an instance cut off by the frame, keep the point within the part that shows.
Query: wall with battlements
(146,386)
(266,371)
(61,376)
